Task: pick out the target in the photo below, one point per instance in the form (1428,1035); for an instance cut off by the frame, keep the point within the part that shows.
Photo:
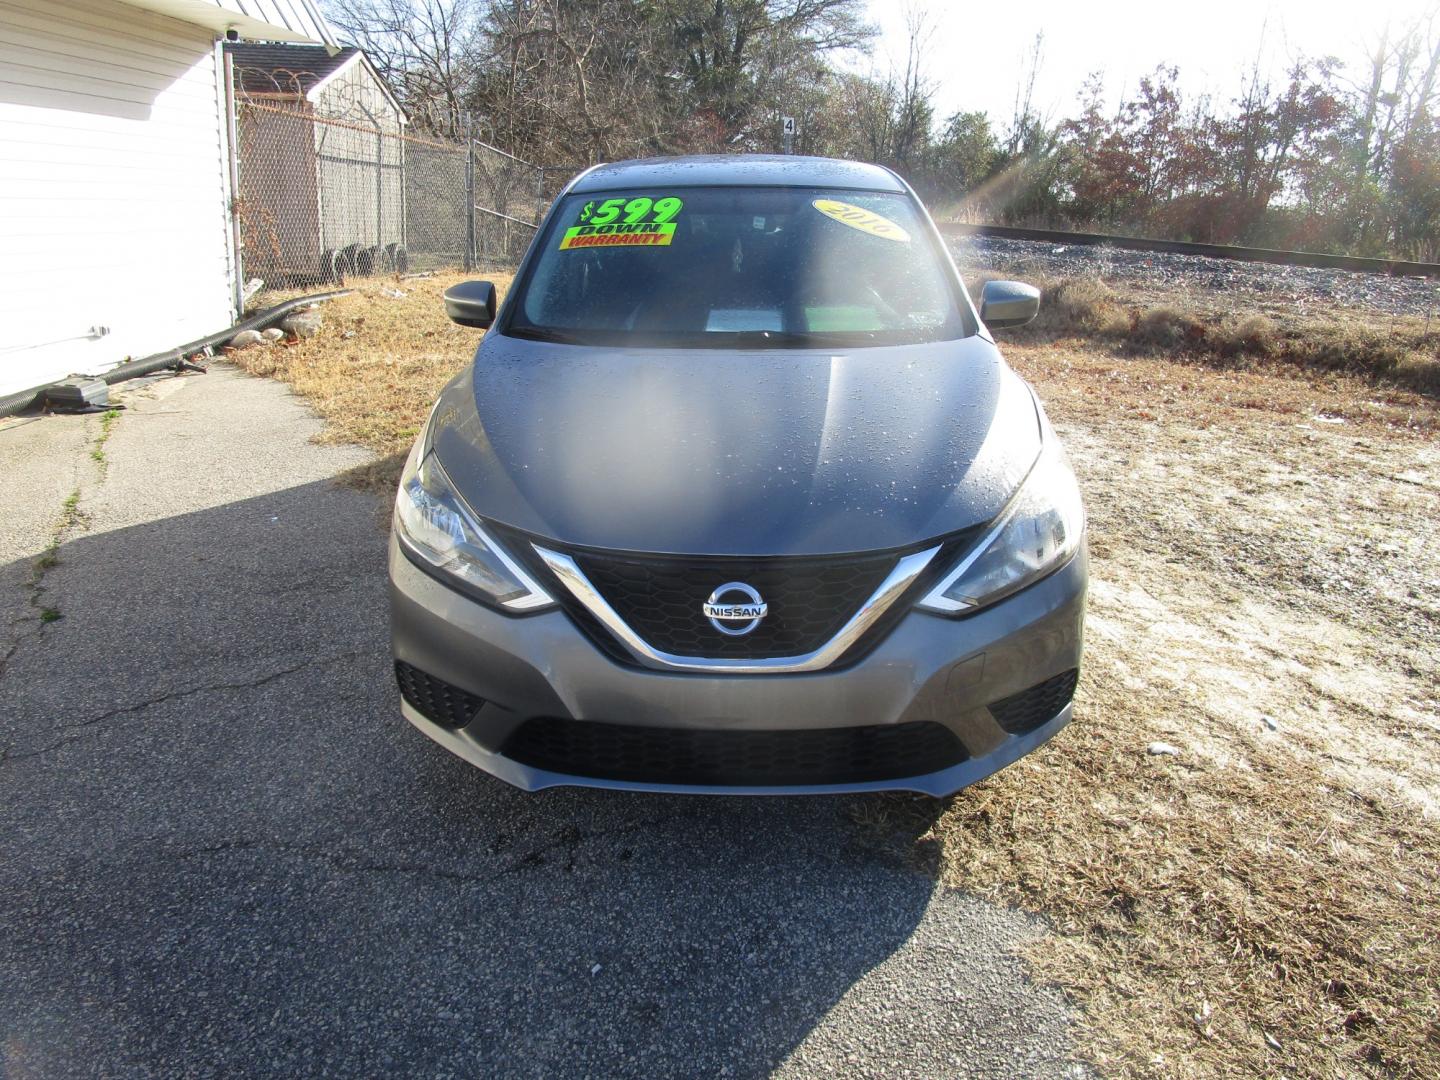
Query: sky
(977,50)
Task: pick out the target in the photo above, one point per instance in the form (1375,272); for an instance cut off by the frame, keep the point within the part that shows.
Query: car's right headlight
(434,525)
(1037,533)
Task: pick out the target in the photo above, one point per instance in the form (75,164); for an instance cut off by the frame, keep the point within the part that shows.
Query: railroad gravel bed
(1262,285)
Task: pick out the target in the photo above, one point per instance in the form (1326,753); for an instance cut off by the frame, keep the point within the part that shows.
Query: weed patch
(97,452)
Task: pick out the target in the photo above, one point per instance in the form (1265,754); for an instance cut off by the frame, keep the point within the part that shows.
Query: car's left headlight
(1038,532)
(434,525)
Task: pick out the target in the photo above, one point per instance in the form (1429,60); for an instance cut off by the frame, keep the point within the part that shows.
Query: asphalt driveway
(223,852)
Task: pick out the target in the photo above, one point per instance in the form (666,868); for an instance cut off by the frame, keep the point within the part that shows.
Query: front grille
(1027,710)
(809,599)
(734,758)
(435,699)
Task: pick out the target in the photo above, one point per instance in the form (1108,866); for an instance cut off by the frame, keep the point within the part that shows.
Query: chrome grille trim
(891,589)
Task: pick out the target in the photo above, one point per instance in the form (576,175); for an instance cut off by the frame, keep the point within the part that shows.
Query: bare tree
(1024,120)
(718,44)
(572,81)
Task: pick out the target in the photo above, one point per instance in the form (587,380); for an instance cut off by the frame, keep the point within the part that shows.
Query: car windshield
(738,266)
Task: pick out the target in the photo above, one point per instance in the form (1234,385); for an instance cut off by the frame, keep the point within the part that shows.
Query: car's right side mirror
(1008,303)
(471,303)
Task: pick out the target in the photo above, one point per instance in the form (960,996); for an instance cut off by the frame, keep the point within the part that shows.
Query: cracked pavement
(222,851)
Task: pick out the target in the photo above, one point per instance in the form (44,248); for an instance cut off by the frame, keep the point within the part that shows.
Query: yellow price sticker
(857,217)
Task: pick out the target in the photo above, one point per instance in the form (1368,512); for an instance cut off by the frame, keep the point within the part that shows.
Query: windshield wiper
(544,333)
(800,339)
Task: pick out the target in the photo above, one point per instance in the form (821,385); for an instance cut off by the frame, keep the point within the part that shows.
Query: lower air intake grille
(1030,708)
(734,758)
(435,699)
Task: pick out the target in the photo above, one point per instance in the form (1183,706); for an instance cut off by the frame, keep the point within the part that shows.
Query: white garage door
(113,188)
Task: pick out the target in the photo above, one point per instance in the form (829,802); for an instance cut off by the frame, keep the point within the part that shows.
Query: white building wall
(114,187)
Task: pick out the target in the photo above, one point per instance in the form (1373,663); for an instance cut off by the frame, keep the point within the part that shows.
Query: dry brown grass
(1266,598)
(378,364)
(1391,351)
(1264,546)
(1213,919)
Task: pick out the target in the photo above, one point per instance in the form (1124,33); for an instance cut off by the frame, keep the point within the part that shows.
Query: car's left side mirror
(471,303)
(1008,303)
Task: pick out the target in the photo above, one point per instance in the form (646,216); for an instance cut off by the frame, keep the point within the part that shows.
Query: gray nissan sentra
(738,495)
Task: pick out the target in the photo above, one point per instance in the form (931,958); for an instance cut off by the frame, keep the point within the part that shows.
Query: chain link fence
(330,190)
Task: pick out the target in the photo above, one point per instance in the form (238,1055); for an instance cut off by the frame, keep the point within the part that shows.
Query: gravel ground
(223,852)
(1242,285)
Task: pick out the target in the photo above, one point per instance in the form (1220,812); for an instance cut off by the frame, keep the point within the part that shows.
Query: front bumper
(927,669)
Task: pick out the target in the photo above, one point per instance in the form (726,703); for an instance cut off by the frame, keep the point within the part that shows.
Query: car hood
(718,452)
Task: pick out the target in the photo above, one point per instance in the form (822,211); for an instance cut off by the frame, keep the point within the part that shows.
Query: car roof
(742,170)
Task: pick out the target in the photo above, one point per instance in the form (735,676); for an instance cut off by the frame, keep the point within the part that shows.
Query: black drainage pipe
(172,359)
